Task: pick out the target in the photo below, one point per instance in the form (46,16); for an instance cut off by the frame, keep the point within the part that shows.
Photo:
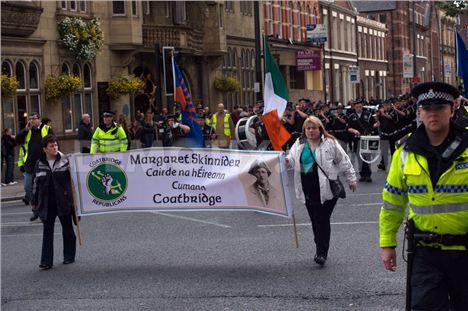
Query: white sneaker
(4,185)
(13,183)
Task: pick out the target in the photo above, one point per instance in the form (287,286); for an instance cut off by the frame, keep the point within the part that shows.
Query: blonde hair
(316,121)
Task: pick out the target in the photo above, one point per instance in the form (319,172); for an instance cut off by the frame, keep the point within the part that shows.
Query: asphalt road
(204,261)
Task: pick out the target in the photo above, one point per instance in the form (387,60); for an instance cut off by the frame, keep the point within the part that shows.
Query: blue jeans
(28,186)
(9,166)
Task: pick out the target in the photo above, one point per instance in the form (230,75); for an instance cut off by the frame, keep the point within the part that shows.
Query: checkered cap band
(435,95)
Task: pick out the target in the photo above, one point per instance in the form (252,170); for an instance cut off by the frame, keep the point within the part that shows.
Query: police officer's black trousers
(69,238)
(439,280)
(320,217)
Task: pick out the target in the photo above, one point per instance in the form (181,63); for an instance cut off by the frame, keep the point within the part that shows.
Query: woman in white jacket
(317,148)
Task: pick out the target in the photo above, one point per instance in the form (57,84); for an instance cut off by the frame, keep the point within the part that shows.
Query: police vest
(227,128)
(23,152)
(440,209)
(112,140)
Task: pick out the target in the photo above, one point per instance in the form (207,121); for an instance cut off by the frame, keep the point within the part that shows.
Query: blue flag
(462,62)
(184,100)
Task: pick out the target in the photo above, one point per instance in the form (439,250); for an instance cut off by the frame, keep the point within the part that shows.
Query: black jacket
(85,134)
(364,123)
(34,146)
(8,146)
(52,186)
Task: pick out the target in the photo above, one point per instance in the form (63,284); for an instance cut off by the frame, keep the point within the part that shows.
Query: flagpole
(295,230)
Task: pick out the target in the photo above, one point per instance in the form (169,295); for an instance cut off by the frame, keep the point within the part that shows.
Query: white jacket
(332,159)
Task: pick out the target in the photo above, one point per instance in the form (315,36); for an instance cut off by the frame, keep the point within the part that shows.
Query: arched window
(20,75)
(33,76)
(229,52)
(87,76)
(280,20)
(309,15)
(65,68)
(7,69)
(299,22)
(76,70)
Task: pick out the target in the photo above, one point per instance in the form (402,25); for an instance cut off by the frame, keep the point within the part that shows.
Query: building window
(269,17)
(290,20)
(230,6)
(73,5)
(134,8)
(230,70)
(221,16)
(280,21)
(180,17)
(82,6)
(246,8)
(296,78)
(15,109)
(146,7)
(81,102)
(299,23)
(118,7)
(63,5)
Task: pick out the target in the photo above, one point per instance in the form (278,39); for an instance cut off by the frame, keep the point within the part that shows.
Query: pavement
(13,192)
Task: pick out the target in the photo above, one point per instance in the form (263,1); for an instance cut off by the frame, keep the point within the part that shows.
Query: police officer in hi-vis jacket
(429,176)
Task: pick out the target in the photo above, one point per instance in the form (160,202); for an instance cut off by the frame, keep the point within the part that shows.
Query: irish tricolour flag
(275,98)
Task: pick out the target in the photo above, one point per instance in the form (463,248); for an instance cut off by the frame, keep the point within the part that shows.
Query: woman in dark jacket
(8,154)
(52,197)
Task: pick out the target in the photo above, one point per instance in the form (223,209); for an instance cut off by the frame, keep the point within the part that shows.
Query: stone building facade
(204,34)
(284,23)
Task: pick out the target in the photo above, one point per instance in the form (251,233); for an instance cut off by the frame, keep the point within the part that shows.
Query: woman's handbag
(336,186)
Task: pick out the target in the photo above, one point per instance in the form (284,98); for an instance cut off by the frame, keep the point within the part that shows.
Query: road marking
(359,194)
(17,213)
(364,204)
(333,223)
(21,235)
(192,219)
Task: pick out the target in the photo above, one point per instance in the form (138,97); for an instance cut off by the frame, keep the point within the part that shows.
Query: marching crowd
(432,124)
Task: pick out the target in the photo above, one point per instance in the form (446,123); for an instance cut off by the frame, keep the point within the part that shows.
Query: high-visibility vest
(23,151)
(440,209)
(227,128)
(112,140)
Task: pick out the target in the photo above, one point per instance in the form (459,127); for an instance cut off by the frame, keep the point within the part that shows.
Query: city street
(204,261)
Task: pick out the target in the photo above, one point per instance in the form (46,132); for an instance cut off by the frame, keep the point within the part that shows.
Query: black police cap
(435,93)
(108,113)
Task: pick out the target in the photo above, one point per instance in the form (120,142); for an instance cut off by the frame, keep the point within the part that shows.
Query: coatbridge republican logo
(107,183)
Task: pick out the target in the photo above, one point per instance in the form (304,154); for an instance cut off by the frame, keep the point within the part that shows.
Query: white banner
(408,66)
(181,179)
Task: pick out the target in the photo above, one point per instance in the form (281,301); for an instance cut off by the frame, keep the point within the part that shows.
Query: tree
(453,8)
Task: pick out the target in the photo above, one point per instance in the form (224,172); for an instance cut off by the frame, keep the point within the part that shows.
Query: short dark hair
(49,139)
(32,114)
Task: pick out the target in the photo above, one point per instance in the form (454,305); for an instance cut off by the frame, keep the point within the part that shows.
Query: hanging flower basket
(63,85)
(226,84)
(123,85)
(9,86)
(84,39)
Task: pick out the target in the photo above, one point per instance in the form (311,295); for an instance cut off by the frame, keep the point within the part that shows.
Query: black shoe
(34,217)
(368,179)
(68,261)
(44,266)
(363,178)
(25,201)
(381,167)
(320,260)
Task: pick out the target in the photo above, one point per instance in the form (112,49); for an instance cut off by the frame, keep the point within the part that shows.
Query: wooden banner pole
(77,221)
(295,230)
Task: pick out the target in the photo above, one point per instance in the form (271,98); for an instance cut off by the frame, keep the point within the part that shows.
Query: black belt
(444,239)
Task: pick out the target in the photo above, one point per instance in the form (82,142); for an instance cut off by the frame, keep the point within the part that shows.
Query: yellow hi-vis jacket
(112,140)
(227,128)
(23,151)
(442,209)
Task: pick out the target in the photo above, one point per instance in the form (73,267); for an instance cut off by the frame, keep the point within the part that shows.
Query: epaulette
(402,140)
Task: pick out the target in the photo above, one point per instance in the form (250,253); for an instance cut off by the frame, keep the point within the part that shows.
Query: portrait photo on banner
(262,184)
